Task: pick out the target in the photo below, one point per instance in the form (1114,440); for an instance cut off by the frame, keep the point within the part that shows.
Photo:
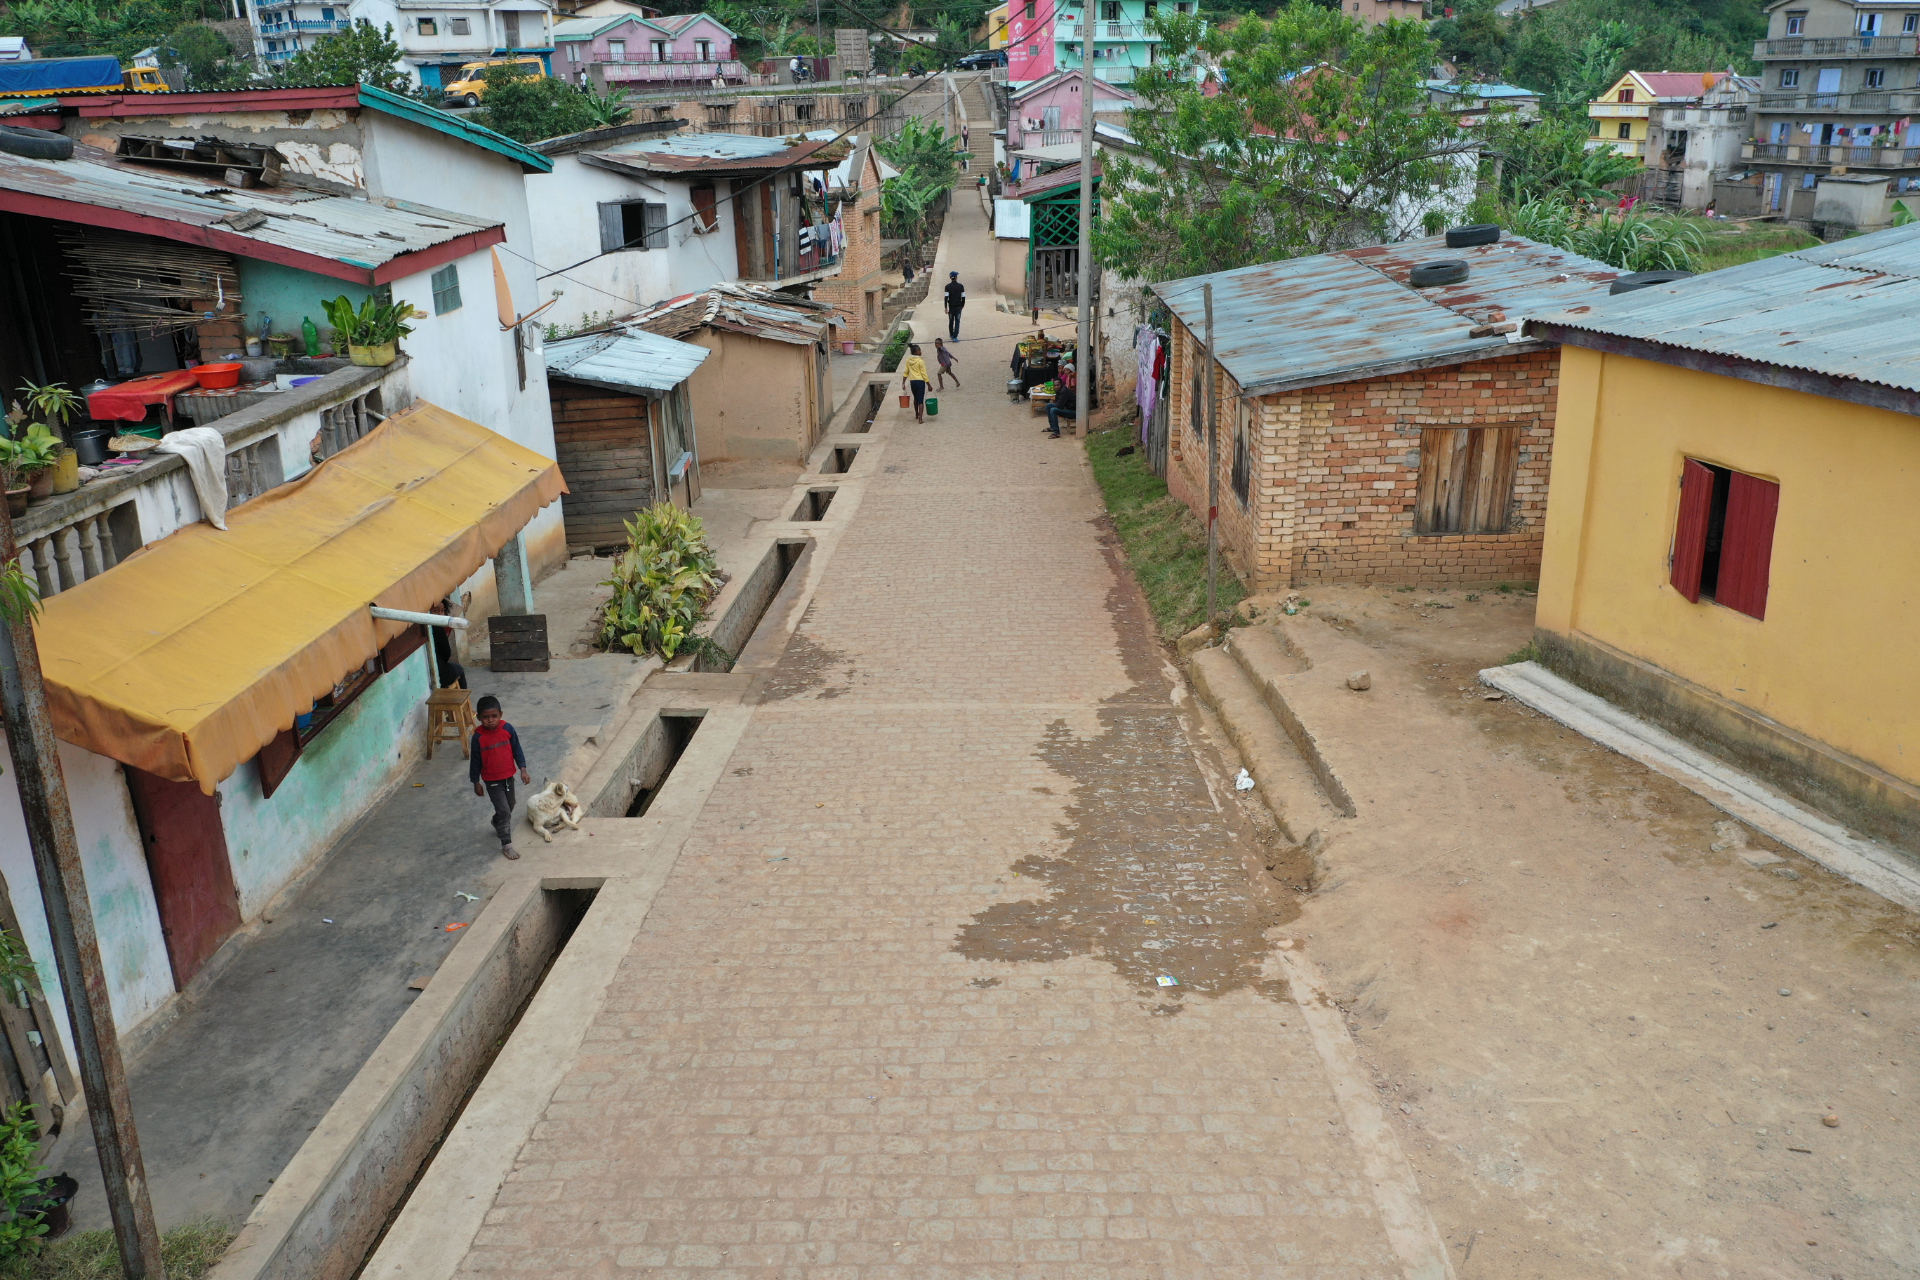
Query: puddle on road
(1154,877)
(806,666)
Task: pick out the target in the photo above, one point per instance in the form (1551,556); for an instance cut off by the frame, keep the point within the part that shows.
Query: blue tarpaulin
(59,75)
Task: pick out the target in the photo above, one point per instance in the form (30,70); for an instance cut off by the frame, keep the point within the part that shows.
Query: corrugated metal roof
(724,152)
(588,28)
(1336,316)
(349,229)
(634,360)
(737,308)
(1844,309)
(1051,181)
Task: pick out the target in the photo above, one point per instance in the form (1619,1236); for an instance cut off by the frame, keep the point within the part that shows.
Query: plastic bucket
(906,402)
(846,348)
(933,407)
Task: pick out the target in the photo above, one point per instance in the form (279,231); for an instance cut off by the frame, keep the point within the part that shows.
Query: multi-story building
(1838,95)
(1618,118)
(1689,144)
(1045,36)
(436,39)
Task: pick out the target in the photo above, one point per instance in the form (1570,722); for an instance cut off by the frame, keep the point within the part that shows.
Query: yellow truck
(64,77)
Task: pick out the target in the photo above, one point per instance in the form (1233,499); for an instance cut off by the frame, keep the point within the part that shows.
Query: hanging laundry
(1146,347)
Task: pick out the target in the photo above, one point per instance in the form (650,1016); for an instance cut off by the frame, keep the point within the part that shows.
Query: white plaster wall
(339,775)
(463,361)
(139,976)
(566,230)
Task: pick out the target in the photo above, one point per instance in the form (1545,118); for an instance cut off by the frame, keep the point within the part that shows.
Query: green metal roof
(454,127)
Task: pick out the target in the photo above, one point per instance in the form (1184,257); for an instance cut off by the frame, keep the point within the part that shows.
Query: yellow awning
(195,652)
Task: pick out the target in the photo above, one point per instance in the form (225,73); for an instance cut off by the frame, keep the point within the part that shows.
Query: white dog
(550,808)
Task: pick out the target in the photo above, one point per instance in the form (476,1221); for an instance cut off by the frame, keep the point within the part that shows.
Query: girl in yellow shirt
(913,377)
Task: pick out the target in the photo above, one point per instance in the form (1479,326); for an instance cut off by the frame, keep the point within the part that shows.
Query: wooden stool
(450,719)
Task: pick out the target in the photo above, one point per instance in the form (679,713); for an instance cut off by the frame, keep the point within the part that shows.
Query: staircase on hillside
(976,107)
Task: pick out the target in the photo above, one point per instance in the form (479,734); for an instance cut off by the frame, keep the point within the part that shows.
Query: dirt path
(1610,1047)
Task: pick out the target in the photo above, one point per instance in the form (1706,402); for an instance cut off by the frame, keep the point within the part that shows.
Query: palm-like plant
(661,583)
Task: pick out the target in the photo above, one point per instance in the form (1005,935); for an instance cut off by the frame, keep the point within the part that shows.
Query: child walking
(947,359)
(495,756)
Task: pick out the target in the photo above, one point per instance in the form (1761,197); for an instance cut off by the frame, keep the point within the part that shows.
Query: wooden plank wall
(600,439)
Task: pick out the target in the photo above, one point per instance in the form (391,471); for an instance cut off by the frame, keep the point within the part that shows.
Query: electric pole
(76,948)
(1213,464)
(1083,333)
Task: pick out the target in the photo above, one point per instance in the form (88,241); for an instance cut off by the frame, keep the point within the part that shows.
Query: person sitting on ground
(947,360)
(913,377)
(1064,403)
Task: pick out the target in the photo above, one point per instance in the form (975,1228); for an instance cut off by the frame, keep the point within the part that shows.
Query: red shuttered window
(1723,537)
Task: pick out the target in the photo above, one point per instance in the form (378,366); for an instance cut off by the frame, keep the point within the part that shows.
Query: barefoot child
(947,360)
(496,754)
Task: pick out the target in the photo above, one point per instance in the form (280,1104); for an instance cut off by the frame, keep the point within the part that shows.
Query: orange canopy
(192,654)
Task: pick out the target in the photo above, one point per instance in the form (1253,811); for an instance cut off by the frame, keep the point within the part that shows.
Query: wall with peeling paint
(340,774)
(139,977)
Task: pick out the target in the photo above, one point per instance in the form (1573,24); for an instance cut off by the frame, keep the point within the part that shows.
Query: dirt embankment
(1611,1047)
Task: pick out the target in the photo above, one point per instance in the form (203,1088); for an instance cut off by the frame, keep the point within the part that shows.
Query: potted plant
(56,403)
(35,455)
(372,333)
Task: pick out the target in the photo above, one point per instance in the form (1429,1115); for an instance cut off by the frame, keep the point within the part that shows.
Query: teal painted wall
(339,774)
(288,294)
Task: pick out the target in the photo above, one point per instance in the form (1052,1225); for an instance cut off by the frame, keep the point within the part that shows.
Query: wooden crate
(518,643)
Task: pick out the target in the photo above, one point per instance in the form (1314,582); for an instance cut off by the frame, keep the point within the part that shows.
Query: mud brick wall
(223,333)
(1336,469)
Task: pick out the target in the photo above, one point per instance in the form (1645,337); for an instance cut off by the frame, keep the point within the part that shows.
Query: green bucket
(933,407)
(150,432)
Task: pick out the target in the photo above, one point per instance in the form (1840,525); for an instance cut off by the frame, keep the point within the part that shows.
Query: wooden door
(186,848)
(600,439)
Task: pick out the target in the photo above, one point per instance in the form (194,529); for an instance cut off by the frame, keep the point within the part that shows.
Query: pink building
(629,51)
(1030,40)
(1046,113)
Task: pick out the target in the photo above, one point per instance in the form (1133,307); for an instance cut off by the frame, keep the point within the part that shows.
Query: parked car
(472,84)
(982,60)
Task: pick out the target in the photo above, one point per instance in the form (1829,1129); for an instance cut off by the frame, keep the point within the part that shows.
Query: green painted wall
(288,294)
(269,840)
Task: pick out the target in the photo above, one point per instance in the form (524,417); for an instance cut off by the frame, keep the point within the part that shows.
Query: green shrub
(661,584)
(896,350)
(20,1177)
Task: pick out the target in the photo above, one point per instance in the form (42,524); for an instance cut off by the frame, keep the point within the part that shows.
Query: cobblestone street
(895,1010)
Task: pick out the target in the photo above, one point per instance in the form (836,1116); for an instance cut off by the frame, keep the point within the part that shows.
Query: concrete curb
(1863,861)
(1273,692)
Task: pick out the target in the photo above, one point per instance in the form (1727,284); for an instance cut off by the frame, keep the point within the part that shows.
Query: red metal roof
(1680,84)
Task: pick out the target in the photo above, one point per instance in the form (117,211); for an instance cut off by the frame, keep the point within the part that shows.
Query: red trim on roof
(438,255)
(218,237)
(167,104)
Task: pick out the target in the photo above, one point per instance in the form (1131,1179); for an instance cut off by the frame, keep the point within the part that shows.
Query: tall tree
(358,55)
(1313,132)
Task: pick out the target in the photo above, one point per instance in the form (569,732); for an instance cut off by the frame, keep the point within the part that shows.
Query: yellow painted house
(997,27)
(1732,545)
(1617,119)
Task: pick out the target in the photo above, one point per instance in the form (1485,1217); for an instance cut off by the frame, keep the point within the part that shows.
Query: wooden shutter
(656,226)
(276,761)
(1466,479)
(1690,530)
(401,647)
(1746,546)
(706,212)
(612,236)
(1496,456)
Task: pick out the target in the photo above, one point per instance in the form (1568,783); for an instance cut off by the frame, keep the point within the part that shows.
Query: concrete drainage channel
(334,1203)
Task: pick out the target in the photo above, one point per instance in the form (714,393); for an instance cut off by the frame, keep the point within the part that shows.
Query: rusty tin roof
(1335,317)
(735,308)
(725,153)
(1844,310)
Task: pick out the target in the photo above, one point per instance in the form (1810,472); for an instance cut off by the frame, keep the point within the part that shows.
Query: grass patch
(1166,544)
(1528,652)
(896,349)
(188,1252)
(1751,243)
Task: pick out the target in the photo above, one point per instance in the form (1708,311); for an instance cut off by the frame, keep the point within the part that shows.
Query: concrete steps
(1238,680)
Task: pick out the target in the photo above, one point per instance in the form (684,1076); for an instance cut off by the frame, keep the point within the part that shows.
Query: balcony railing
(66,540)
(1619,110)
(1838,47)
(1870,102)
(654,72)
(279,55)
(1106,31)
(322,24)
(1862,157)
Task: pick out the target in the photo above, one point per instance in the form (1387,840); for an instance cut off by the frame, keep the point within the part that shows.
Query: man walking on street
(956,299)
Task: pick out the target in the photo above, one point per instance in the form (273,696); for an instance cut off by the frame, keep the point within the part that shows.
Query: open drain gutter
(329,1205)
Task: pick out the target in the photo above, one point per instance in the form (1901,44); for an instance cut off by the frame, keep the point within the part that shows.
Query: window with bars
(1466,479)
(1723,537)
(427,27)
(459,26)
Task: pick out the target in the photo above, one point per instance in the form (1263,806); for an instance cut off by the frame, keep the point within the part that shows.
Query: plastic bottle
(310,334)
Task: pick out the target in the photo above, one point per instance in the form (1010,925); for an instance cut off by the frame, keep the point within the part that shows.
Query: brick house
(1369,430)
(853,191)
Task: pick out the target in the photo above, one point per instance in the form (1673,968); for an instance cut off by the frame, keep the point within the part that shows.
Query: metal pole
(1083,331)
(76,948)
(1213,464)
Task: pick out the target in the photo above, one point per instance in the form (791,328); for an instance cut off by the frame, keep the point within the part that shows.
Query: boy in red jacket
(496,754)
